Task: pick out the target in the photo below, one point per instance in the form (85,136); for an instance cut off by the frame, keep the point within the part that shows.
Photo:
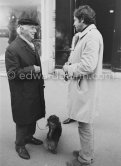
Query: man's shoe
(76,155)
(75,162)
(22,152)
(34,141)
(67,121)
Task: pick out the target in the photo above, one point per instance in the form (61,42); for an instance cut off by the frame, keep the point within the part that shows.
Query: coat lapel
(89,28)
(37,56)
(24,45)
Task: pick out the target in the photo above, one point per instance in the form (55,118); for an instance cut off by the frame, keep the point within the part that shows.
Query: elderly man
(84,68)
(26,85)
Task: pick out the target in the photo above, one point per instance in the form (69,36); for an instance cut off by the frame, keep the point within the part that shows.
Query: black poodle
(53,134)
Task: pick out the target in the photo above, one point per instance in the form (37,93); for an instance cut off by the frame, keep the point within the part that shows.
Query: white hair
(20,27)
(18,30)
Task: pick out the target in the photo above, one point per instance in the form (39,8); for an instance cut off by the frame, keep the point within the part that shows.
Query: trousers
(86,135)
(24,132)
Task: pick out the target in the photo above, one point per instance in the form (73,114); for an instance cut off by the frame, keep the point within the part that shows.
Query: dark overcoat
(26,86)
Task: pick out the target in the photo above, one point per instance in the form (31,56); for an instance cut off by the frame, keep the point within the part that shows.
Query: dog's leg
(52,147)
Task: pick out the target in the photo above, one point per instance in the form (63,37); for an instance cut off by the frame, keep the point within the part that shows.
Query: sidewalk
(107,127)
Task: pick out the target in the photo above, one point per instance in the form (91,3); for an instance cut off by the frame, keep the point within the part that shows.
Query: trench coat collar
(89,28)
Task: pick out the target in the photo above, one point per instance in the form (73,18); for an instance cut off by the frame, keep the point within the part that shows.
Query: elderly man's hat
(27,21)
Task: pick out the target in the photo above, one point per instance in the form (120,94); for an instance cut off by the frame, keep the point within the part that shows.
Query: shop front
(108,16)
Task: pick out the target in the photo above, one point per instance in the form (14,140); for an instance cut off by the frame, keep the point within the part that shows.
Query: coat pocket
(82,85)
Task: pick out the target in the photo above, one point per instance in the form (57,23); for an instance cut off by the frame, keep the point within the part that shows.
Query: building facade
(108,16)
(56,26)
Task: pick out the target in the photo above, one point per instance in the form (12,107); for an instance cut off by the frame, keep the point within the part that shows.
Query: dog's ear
(59,120)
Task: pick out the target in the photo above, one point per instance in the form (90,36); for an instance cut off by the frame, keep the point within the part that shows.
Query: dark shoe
(53,151)
(76,155)
(67,121)
(75,162)
(22,152)
(34,141)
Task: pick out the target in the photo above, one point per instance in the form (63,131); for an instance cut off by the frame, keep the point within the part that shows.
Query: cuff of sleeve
(33,69)
(72,69)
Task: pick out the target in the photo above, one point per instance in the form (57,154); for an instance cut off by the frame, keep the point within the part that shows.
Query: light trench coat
(86,60)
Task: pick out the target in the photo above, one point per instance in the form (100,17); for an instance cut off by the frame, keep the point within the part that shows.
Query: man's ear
(22,27)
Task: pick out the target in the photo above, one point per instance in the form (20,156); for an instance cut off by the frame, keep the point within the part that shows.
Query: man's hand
(37,69)
(65,68)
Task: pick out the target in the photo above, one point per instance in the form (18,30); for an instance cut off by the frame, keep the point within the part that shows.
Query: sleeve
(13,66)
(88,60)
